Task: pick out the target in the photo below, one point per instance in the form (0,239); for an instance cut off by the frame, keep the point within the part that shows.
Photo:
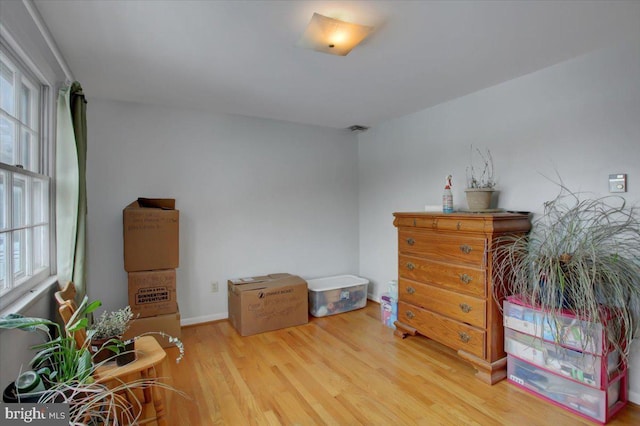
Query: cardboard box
(270,302)
(153,292)
(150,230)
(168,324)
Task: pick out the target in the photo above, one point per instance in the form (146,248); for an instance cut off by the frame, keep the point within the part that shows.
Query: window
(24,180)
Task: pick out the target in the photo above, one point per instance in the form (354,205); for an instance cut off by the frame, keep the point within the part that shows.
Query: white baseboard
(225,315)
(203,319)
(634,397)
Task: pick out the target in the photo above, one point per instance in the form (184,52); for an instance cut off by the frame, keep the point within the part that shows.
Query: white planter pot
(479,199)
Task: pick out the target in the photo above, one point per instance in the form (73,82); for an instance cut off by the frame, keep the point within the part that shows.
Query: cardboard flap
(248,280)
(279,275)
(157,203)
(239,285)
(259,279)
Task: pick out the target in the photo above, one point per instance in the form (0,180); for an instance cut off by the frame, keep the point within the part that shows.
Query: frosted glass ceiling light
(329,35)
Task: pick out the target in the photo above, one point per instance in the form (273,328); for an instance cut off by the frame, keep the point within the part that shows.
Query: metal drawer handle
(411,266)
(411,290)
(465,278)
(465,308)
(465,249)
(464,336)
(410,315)
(411,241)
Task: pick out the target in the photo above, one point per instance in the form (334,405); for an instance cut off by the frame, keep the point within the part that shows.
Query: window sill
(27,300)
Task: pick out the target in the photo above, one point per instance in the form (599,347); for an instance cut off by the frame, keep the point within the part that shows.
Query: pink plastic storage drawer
(583,400)
(567,330)
(586,368)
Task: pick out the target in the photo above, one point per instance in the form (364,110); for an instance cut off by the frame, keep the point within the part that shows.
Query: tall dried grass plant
(582,255)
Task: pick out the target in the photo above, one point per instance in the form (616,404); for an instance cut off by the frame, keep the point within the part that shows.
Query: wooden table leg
(157,397)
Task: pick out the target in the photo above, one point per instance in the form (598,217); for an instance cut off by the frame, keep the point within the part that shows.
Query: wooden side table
(147,366)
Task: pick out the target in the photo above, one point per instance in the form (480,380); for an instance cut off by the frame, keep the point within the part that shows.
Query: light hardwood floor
(345,369)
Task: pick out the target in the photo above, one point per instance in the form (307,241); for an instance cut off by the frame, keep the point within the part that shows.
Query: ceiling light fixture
(329,35)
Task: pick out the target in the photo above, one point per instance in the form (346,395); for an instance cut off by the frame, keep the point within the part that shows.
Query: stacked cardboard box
(151,256)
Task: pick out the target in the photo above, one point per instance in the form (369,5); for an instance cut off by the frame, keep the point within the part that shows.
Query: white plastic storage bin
(335,295)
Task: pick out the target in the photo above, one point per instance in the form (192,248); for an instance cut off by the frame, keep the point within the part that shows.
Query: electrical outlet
(618,182)
(214,286)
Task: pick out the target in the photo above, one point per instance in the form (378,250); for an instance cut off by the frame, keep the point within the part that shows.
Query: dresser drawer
(454,277)
(461,307)
(443,247)
(458,224)
(449,332)
(445,223)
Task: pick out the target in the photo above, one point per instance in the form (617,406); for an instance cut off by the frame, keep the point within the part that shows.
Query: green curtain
(71,196)
(79,119)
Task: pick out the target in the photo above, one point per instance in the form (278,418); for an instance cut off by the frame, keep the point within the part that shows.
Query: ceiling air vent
(358,128)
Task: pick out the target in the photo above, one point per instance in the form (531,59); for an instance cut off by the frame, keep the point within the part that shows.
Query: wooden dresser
(445,286)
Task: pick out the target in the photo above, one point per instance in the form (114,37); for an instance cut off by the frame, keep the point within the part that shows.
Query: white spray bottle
(447,196)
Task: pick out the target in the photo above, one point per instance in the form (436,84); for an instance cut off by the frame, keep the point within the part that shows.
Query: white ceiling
(239,57)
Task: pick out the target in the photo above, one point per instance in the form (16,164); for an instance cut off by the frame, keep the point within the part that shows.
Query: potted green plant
(106,333)
(58,361)
(66,368)
(481,181)
(582,256)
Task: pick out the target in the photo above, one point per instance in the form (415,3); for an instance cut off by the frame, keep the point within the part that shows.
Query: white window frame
(20,287)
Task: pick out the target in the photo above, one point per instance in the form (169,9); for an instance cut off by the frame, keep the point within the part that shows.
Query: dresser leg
(403,330)
(488,372)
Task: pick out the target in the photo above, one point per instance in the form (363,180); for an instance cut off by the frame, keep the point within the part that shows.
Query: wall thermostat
(618,183)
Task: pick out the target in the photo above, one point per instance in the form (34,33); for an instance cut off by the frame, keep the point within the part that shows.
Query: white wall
(255,197)
(580,119)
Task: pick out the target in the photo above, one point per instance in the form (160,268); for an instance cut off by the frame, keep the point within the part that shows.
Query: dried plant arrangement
(97,404)
(480,177)
(112,324)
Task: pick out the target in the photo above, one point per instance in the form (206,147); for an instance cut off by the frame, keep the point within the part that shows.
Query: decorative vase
(100,353)
(10,395)
(479,199)
(127,355)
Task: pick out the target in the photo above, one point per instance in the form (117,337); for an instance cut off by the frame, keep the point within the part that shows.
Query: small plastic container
(392,289)
(388,310)
(337,294)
